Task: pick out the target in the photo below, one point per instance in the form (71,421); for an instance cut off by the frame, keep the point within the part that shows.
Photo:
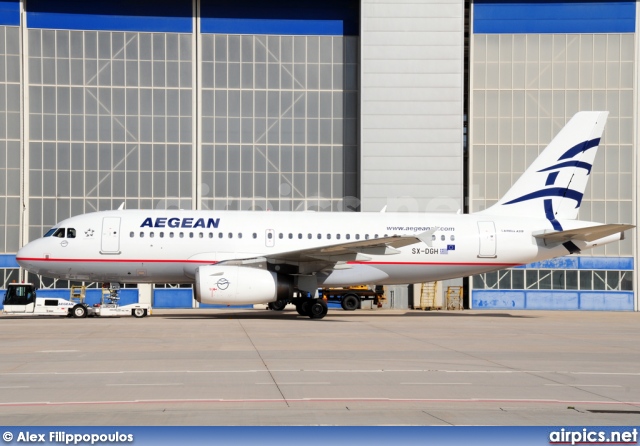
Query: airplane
(244,257)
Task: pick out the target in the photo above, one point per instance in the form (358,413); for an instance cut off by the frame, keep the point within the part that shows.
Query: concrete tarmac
(368,367)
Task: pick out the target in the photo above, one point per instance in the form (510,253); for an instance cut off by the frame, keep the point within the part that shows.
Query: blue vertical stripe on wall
(549,16)
(112,15)
(283,17)
(10,12)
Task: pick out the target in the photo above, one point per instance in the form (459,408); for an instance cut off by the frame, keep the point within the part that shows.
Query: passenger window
(171,235)
(375,236)
(182,235)
(328,236)
(442,237)
(300,236)
(151,234)
(338,236)
(239,234)
(319,236)
(71,233)
(131,234)
(453,237)
(280,235)
(290,236)
(141,234)
(269,235)
(162,235)
(357,236)
(201,235)
(366,236)
(211,235)
(51,302)
(309,236)
(191,235)
(348,236)
(230,235)
(255,235)
(220,235)
(433,237)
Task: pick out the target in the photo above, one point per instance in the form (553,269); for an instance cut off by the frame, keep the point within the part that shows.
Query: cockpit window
(50,232)
(59,233)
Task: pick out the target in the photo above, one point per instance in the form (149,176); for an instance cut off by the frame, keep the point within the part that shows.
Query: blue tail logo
(555,191)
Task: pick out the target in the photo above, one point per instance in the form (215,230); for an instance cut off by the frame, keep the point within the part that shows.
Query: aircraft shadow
(338,315)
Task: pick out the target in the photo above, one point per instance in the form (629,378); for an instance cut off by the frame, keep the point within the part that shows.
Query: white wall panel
(411,104)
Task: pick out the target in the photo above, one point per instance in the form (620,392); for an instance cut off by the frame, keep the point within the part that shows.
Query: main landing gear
(312,308)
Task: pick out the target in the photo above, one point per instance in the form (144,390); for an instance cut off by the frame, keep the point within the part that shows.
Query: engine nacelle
(240,285)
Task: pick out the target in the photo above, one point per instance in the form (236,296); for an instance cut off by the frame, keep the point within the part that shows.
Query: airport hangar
(332,105)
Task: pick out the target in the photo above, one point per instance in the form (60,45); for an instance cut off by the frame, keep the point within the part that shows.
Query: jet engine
(240,285)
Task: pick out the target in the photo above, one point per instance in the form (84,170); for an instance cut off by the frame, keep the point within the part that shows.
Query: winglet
(427,236)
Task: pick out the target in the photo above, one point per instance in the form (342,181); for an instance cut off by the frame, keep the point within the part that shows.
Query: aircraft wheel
(306,307)
(79,311)
(318,309)
(278,305)
(139,312)
(299,309)
(350,302)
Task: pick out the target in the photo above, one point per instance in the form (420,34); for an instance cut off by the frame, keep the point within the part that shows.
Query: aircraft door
(110,235)
(270,238)
(487,237)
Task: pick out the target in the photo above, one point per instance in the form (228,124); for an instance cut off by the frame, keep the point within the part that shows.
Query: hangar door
(110,235)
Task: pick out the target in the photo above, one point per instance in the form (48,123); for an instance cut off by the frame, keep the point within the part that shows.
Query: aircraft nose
(24,255)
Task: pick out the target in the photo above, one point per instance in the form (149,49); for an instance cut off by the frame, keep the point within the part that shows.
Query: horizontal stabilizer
(588,234)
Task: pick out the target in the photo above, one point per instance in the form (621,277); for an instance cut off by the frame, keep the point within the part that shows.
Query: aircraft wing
(588,234)
(349,250)
(325,256)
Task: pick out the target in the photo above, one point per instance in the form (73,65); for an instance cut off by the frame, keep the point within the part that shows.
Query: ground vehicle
(20,300)
(350,298)
(109,306)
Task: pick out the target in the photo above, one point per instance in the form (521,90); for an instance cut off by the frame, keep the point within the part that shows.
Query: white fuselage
(166,246)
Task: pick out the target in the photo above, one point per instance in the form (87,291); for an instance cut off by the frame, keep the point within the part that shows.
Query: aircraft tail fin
(554,184)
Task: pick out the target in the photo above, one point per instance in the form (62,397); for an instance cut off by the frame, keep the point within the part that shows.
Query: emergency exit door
(270,238)
(110,235)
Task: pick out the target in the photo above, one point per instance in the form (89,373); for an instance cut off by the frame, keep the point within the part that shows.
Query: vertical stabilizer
(554,184)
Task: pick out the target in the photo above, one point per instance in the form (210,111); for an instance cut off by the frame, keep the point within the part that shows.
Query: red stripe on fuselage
(506,265)
(33,259)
